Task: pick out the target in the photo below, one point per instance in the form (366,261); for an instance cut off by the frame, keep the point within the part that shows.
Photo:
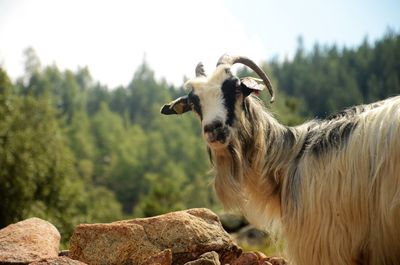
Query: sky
(113,37)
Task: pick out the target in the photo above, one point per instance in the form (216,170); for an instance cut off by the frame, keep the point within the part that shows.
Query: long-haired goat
(334,184)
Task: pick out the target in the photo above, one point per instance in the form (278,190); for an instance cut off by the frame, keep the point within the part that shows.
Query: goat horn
(200,70)
(231,60)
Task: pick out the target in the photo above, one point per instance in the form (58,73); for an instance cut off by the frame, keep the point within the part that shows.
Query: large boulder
(57,261)
(188,234)
(162,258)
(27,241)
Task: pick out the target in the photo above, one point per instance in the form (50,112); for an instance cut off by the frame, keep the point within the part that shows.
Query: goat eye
(228,71)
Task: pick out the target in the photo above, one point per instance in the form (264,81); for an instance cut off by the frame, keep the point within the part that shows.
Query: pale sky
(111,37)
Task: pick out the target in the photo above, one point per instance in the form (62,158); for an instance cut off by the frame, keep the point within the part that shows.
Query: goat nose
(212,127)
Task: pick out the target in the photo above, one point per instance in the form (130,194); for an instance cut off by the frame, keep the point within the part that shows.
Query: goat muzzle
(216,133)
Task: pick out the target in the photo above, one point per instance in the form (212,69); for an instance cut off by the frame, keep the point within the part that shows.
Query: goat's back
(349,202)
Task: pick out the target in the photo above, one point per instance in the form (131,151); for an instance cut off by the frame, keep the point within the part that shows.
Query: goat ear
(178,106)
(250,85)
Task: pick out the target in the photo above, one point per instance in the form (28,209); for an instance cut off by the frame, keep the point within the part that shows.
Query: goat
(334,184)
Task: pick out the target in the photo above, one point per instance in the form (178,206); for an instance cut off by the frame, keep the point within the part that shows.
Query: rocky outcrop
(57,261)
(188,234)
(191,237)
(162,258)
(27,241)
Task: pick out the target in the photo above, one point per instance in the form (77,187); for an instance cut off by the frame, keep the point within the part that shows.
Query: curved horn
(231,60)
(225,59)
(200,70)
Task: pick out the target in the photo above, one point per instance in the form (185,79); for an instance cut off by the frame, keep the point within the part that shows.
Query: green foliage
(328,79)
(166,192)
(81,141)
(37,172)
(145,96)
(34,161)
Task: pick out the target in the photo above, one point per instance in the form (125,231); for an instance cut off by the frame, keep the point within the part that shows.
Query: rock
(232,222)
(260,255)
(162,258)
(276,261)
(188,234)
(29,240)
(258,258)
(111,244)
(247,258)
(209,258)
(57,261)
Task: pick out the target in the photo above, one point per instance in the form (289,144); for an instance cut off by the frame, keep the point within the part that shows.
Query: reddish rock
(29,240)
(209,258)
(260,255)
(258,258)
(58,261)
(276,261)
(187,233)
(113,243)
(248,258)
(162,258)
